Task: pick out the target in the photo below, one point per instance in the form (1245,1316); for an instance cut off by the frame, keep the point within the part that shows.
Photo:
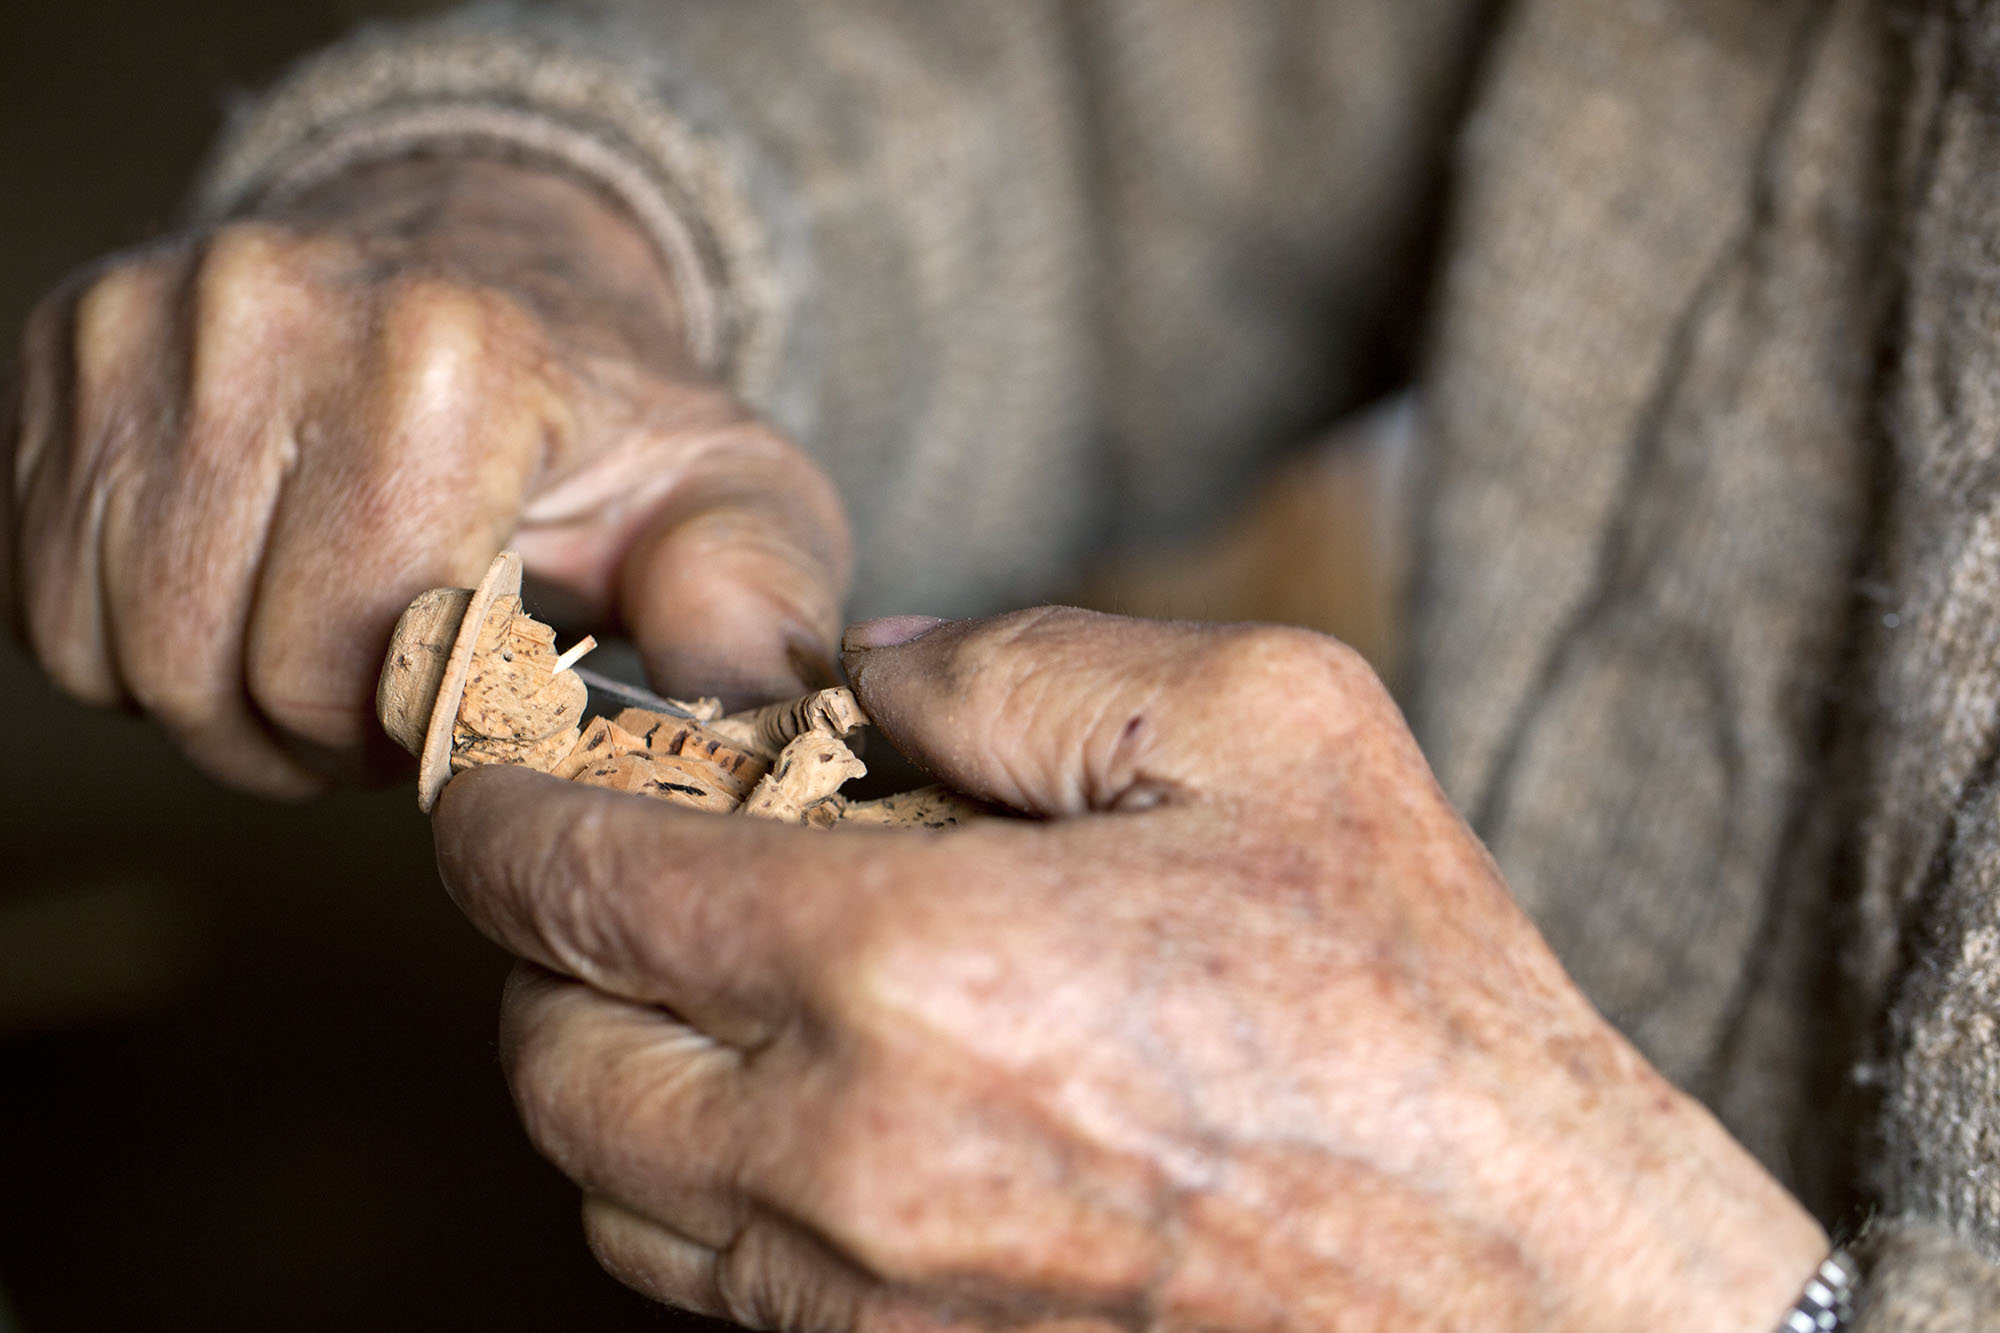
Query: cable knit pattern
(1707,611)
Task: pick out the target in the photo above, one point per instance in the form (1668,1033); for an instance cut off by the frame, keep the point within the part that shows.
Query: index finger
(710,917)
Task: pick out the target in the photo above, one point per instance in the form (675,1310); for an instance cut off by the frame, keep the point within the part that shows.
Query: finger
(1057,711)
(629,1102)
(655,1261)
(735,587)
(707,917)
(183,536)
(773,1275)
(77,414)
(766,1275)
(432,463)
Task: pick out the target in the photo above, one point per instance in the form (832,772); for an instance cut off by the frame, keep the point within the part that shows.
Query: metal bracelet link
(1827,1303)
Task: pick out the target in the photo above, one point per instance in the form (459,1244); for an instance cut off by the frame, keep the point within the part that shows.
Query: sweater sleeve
(1922,1278)
(1932,1257)
(1018,274)
(1923,965)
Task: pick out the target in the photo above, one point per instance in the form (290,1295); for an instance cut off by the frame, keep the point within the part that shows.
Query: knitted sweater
(1707,604)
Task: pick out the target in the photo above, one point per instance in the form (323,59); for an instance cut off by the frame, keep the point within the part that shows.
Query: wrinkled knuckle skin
(113,401)
(873,967)
(741,1289)
(556,887)
(1264,669)
(164,687)
(616,1252)
(1029,630)
(988,666)
(248,303)
(109,306)
(69,663)
(244,275)
(297,709)
(429,315)
(448,353)
(541,1076)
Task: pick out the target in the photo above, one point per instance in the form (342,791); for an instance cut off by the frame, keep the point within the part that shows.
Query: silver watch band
(1827,1303)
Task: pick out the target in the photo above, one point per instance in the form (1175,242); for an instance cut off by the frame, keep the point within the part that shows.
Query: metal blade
(608,696)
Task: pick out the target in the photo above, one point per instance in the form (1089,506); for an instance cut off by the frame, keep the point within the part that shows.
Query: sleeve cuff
(378,96)
(1922,1278)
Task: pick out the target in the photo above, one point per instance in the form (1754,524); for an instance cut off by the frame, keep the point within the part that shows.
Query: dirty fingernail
(888,632)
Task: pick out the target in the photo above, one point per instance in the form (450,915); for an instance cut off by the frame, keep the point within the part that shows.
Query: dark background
(247,1075)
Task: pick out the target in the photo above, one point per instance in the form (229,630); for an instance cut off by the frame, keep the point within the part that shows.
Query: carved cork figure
(471,678)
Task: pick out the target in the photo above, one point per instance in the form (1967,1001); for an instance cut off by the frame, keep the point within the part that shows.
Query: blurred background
(247,1073)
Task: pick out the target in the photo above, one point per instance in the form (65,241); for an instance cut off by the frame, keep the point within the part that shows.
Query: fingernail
(888,632)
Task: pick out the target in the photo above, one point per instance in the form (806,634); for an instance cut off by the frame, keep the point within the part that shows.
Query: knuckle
(447,356)
(448,333)
(750,1281)
(764,1277)
(306,687)
(991,666)
(114,351)
(268,678)
(124,297)
(553,859)
(885,961)
(247,303)
(742,1285)
(72,662)
(1259,668)
(540,1077)
(627,1250)
(61,617)
(161,627)
(161,682)
(244,276)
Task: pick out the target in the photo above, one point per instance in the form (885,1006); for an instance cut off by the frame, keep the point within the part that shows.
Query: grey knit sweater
(1707,611)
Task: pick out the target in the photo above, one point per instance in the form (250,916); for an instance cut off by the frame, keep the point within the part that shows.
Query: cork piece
(472,679)
(662,779)
(926,807)
(414,671)
(503,577)
(768,730)
(807,774)
(699,748)
(513,689)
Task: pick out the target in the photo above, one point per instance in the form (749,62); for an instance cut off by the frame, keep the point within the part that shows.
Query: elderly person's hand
(239,454)
(1246,1033)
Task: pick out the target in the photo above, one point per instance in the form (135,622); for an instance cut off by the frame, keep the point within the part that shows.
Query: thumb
(735,587)
(1057,711)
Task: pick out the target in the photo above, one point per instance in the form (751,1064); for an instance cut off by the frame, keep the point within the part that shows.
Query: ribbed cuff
(375,98)
(1919,1277)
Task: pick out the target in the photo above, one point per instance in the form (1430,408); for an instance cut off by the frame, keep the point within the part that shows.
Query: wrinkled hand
(1247,1034)
(239,454)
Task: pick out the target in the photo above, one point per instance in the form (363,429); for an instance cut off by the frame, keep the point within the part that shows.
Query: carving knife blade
(609,696)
